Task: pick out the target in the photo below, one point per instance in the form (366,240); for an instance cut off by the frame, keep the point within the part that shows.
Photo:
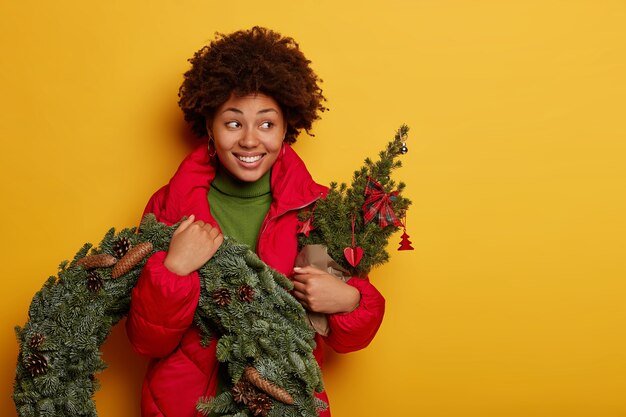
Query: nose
(248,139)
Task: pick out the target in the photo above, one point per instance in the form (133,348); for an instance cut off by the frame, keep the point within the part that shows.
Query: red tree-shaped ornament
(405,243)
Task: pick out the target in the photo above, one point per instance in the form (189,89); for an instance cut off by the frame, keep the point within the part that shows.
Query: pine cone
(94,281)
(264,385)
(36,341)
(121,246)
(221,296)
(260,404)
(245,293)
(242,392)
(131,259)
(102,260)
(36,364)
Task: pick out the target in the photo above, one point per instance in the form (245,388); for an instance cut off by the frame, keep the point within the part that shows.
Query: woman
(249,93)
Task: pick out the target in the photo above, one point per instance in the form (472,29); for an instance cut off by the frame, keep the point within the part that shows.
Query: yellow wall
(512,303)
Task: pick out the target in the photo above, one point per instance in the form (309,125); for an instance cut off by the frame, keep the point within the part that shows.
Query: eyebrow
(262,111)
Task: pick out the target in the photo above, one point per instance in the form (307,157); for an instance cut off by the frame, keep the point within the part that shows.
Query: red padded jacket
(159,323)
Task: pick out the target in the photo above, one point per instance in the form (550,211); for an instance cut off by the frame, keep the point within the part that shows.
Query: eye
(267,125)
(233,124)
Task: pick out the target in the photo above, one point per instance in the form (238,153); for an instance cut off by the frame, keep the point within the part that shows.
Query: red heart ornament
(353,255)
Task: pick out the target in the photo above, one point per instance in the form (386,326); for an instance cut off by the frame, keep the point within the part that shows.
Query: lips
(249,159)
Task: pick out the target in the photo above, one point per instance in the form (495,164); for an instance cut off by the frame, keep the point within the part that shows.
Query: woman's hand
(193,244)
(323,293)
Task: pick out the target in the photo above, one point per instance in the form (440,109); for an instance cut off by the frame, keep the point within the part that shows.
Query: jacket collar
(292,185)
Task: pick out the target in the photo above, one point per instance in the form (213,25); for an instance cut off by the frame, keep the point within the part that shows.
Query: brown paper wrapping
(317,257)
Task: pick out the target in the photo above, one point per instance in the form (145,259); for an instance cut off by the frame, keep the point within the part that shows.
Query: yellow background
(513,303)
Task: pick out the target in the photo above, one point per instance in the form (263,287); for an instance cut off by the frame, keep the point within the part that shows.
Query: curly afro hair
(251,61)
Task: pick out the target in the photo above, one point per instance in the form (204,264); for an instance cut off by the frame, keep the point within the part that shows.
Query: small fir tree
(331,218)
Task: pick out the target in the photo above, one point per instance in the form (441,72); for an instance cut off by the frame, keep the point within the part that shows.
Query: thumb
(309,269)
(184,224)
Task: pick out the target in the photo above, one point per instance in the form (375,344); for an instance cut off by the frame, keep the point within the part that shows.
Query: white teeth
(250,159)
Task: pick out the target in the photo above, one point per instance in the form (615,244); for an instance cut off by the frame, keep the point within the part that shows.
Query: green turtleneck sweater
(240,207)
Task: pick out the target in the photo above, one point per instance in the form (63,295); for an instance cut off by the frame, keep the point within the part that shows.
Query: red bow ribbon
(378,205)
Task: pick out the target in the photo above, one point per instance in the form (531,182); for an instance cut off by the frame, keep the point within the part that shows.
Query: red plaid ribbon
(377,205)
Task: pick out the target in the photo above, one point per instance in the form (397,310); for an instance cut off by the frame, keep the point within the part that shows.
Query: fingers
(218,240)
(213,234)
(299,286)
(213,231)
(193,243)
(197,234)
(191,221)
(307,270)
(184,224)
(300,292)
(302,299)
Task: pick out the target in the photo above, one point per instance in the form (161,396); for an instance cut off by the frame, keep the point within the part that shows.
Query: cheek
(224,140)
(275,143)
(275,147)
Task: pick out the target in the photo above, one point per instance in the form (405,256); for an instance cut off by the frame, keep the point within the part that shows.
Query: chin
(249,176)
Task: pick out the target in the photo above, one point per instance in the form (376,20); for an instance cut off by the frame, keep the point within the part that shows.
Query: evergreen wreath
(265,339)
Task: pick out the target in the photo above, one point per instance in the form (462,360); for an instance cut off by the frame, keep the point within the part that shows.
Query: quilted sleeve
(156,205)
(355,330)
(162,308)
(162,303)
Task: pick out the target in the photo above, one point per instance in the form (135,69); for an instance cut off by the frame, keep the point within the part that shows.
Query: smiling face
(248,132)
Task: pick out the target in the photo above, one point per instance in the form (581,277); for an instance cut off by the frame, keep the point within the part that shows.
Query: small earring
(211,146)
